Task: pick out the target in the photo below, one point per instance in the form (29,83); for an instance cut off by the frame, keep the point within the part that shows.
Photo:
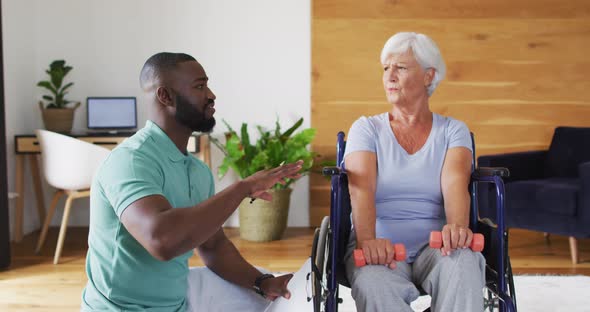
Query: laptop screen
(111,112)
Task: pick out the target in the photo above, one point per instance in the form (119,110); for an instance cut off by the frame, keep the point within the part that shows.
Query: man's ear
(164,96)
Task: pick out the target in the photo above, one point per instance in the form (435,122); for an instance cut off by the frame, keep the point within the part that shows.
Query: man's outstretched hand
(276,287)
(260,182)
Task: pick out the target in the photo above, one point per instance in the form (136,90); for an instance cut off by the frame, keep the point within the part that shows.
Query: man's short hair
(158,64)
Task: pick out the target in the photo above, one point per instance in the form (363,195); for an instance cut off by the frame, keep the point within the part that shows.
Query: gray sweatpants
(455,282)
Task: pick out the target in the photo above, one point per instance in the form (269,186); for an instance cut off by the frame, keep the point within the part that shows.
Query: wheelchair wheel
(320,253)
(490,301)
(315,273)
(511,283)
(491,298)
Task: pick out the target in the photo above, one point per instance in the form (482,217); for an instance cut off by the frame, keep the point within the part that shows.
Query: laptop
(111,115)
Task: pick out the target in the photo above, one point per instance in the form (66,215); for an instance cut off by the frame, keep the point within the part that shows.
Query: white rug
(534,293)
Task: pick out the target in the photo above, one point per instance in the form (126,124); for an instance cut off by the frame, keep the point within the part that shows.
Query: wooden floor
(33,283)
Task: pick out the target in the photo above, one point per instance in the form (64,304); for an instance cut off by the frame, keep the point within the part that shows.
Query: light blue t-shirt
(122,274)
(408,195)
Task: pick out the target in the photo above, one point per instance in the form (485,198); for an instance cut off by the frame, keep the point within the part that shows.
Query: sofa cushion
(555,196)
(569,147)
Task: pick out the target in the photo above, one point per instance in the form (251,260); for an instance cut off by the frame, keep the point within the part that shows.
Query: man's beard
(191,118)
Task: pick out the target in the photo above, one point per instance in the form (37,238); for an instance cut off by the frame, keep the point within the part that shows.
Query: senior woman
(408,171)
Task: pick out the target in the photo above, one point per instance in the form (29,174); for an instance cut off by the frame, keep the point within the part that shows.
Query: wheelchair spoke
(321,266)
(510,278)
(491,301)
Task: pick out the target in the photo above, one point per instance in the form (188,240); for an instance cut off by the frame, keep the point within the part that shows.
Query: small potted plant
(56,115)
(262,220)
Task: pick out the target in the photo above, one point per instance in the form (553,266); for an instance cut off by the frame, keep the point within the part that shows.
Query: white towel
(300,291)
(208,292)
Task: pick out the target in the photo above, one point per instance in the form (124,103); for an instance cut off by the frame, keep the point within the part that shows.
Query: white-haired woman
(408,171)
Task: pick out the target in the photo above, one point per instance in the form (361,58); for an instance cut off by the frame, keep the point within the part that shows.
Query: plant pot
(264,221)
(58,119)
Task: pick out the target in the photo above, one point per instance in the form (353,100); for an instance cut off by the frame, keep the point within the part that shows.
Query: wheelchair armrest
(331,171)
(491,171)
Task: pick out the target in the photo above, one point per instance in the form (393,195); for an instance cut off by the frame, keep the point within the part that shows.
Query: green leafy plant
(57,71)
(272,149)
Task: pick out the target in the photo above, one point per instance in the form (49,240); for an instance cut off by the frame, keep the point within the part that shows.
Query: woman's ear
(429,76)
(164,96)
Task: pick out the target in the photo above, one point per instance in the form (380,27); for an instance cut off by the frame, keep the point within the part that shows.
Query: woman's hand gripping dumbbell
(398,251)
(477,242)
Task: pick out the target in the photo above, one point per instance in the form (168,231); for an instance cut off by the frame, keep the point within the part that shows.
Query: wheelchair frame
(330,240)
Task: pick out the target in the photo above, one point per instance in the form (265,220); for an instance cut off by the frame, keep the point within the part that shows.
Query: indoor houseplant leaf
(56,115)
(262,220)
(57,72)
(272,148)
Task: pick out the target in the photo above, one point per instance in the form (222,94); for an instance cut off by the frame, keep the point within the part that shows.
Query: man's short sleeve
(458,134)
(127,176)
(361,137)
(212,188)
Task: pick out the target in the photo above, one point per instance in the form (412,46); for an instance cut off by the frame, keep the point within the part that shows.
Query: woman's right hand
(378,251)
(260,182)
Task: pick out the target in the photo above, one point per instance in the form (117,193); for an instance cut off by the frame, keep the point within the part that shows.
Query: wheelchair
(331,239)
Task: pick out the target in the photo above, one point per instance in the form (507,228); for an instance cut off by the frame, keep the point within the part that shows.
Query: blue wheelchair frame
(499,279)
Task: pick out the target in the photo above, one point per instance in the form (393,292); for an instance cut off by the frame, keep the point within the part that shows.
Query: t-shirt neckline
(389,117)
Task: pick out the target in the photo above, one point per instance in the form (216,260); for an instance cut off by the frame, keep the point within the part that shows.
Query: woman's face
(404,79)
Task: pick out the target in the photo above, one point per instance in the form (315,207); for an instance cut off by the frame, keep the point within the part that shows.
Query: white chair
(68,165)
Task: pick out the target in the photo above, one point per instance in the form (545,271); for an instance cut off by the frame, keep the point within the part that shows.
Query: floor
(33,283)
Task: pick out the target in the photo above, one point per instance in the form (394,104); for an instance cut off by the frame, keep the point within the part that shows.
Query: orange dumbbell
(399,249)
(477,242)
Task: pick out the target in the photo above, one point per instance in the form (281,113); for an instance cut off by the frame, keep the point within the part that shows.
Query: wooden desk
(27,146)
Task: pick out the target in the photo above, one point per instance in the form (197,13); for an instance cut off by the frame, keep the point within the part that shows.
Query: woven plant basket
(264,221)
(58,119)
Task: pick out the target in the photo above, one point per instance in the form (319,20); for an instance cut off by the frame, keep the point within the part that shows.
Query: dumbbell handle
(477,243)
(399,249)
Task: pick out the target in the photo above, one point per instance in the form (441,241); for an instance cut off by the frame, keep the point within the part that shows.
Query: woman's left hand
(455,236)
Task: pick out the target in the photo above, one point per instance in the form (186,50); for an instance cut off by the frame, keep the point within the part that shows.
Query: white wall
(256,53)
(19,35)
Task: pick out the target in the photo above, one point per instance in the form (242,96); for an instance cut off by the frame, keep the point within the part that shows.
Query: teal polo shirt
(122,275)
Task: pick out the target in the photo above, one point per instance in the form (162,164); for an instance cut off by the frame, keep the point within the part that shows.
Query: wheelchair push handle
(399,249)
(477,243)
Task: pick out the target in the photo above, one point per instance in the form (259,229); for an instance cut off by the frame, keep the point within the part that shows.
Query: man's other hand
(276,287)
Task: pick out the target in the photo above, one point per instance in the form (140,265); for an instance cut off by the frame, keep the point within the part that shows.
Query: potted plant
(261,220)
(56,116)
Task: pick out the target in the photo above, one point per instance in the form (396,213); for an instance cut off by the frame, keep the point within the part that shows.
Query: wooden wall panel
(515,69)
(395,9)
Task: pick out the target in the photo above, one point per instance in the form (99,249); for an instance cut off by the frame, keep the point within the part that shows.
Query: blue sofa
(547,191)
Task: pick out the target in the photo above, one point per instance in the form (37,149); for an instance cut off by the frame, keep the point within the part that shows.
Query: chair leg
(574,250)
(63,228)
(48,218)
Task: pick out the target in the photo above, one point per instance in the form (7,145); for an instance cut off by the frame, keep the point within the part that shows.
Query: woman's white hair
(425,51)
